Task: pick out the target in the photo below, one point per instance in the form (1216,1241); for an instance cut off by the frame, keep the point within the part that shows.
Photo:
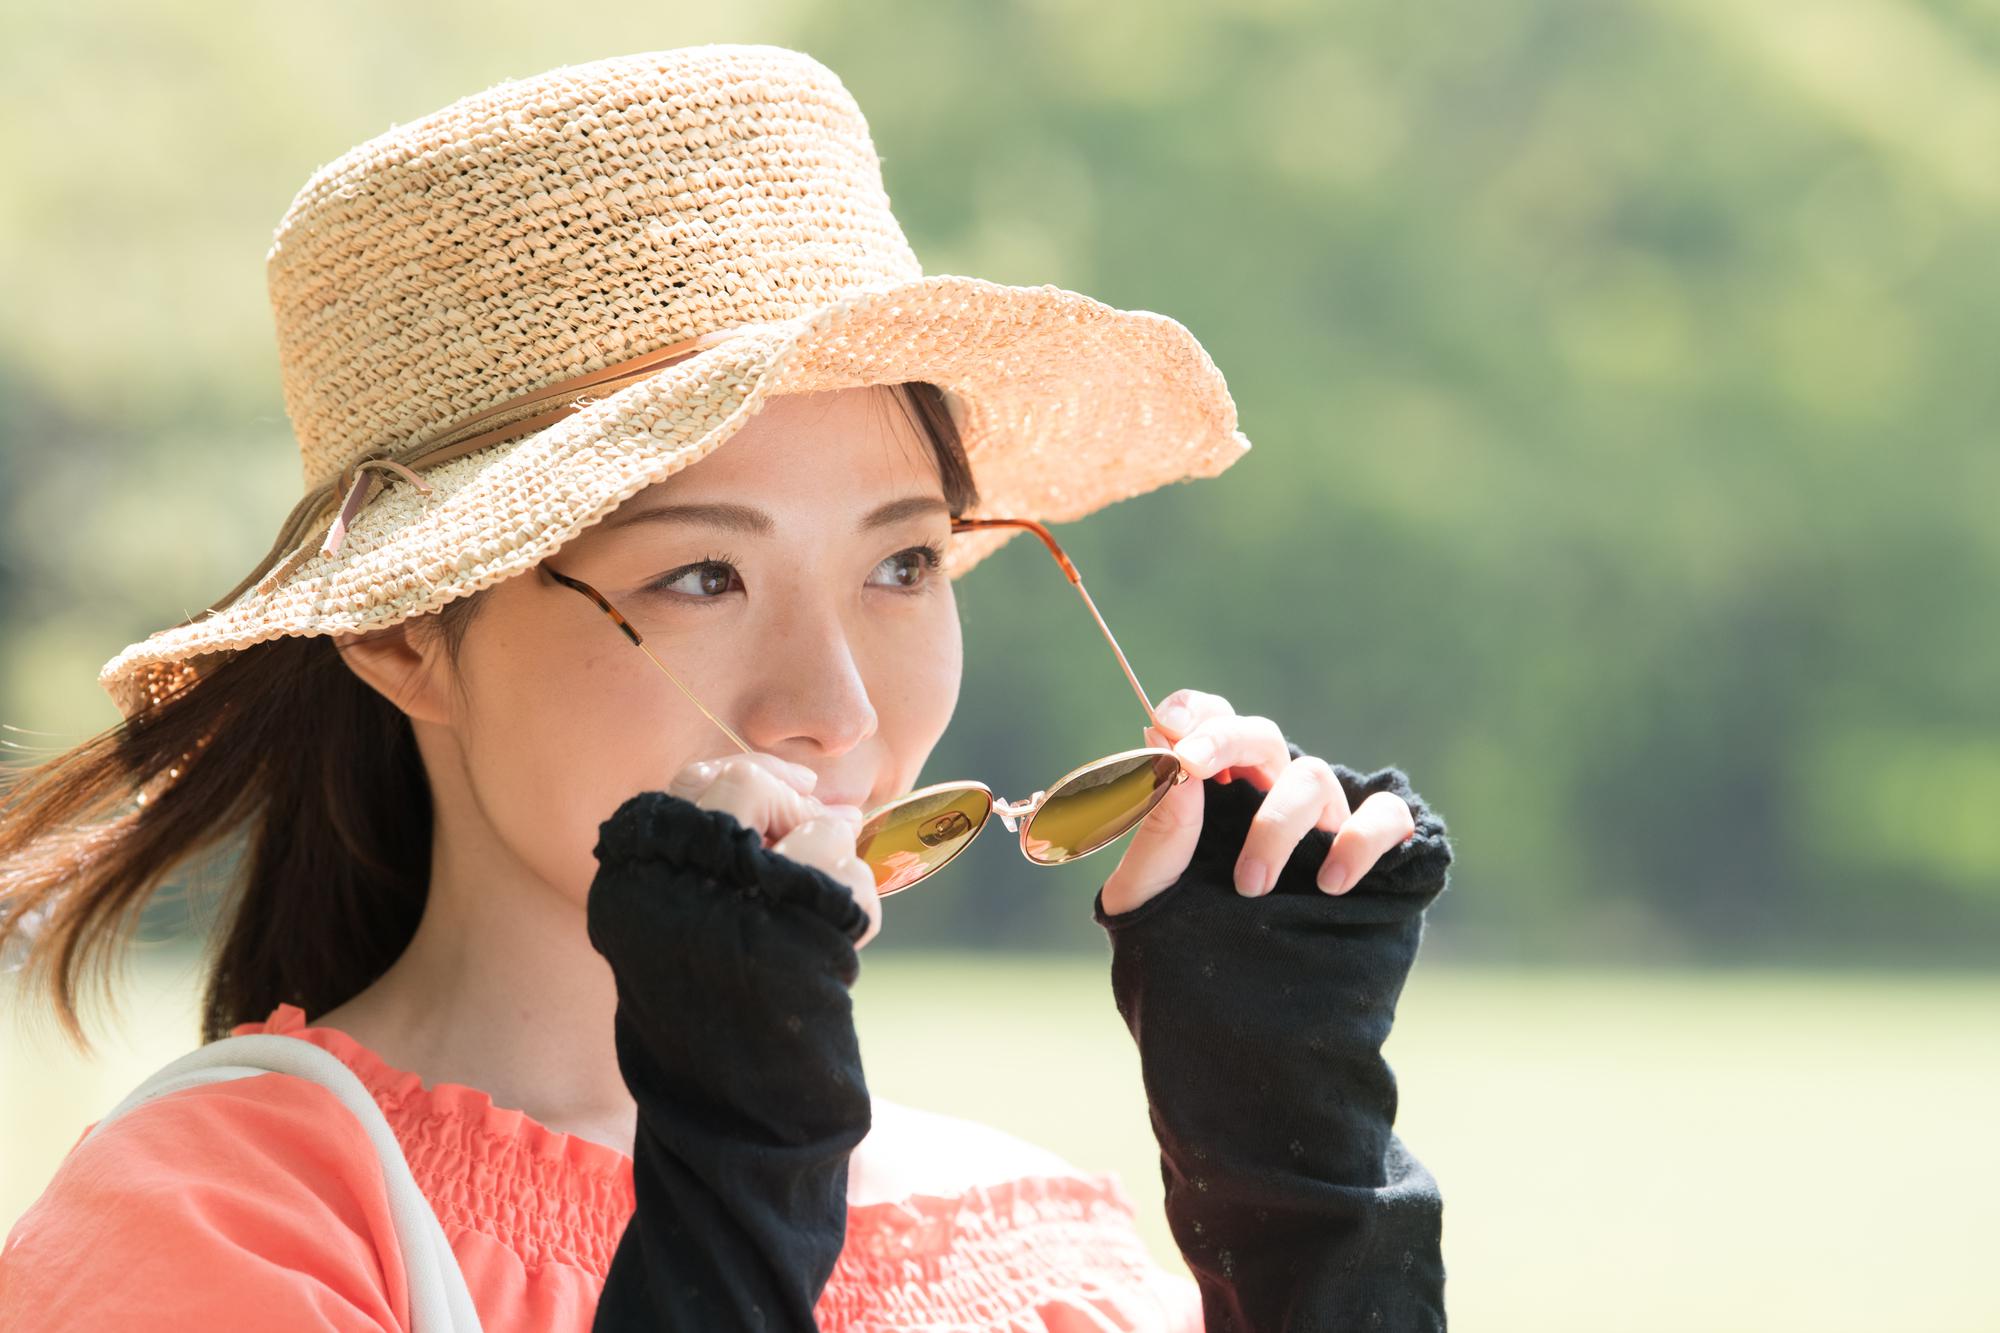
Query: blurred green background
(1620,379)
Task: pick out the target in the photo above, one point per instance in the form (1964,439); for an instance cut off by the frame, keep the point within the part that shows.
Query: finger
(758,797)
(1161,847)
(1183,710)
(1252,744)
(826,842)
(1381,821)
(1336,810)
(798,776)
(1292,806)
(695,776)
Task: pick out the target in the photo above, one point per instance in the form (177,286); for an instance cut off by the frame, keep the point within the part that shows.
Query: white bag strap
(439,1300)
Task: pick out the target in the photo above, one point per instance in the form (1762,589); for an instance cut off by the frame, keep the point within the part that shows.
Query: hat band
(357,479)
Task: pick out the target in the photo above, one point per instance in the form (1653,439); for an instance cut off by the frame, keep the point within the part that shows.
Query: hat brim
(1064,405)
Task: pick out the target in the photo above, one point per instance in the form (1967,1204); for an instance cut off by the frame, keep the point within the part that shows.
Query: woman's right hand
(774,797)
(734,963)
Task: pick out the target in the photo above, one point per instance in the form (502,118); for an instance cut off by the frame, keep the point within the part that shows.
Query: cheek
(949,671)
(927,675)
(557,744)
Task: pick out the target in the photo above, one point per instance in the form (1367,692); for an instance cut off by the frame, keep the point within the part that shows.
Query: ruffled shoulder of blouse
(551,1197)
(952,1224)
(402,1090)
(1032,1254)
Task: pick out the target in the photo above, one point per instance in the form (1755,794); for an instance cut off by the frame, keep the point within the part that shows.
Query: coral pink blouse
(259,1202)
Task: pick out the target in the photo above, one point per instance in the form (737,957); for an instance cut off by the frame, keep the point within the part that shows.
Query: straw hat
(498,321)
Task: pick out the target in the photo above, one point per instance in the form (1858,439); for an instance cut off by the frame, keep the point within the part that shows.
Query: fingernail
(1334,881)
(1252,877)
(1197,751)
(1173,717)
(805,775)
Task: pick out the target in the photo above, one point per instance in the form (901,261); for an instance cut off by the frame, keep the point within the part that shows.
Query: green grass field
(1672,1151)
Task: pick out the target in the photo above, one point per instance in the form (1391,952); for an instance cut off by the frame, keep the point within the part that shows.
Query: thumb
(1161,847)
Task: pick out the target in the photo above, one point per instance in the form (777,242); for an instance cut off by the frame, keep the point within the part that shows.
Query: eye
(912,568)
(704,581)
(709,578)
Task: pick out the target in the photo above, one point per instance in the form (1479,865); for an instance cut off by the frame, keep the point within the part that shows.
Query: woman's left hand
(1301,794)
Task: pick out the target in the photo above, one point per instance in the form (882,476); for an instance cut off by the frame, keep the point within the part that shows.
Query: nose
(811,699)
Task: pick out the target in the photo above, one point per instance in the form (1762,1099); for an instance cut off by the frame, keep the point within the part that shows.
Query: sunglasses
(913,837)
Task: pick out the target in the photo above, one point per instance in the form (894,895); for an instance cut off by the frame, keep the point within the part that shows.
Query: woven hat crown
(551,226)
(501,320)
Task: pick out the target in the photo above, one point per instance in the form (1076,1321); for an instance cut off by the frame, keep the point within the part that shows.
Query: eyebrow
(748,518)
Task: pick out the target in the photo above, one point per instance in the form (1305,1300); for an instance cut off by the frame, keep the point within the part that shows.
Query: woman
(633,354)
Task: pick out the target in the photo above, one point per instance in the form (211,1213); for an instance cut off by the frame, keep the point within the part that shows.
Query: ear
(408,669)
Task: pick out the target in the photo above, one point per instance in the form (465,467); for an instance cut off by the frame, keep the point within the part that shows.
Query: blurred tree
(1619,378)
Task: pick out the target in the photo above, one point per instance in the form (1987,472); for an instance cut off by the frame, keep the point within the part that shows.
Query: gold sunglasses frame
(1016,815)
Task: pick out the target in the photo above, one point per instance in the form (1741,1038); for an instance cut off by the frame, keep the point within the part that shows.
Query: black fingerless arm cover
(1260,1023)
(735,1035)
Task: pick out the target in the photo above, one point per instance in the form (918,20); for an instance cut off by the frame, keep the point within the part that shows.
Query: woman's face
(819,633)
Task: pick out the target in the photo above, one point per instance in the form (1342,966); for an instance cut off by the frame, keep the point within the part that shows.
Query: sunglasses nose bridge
(1011,812)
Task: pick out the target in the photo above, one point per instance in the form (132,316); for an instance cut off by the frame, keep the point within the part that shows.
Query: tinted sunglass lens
(915,837)
(1095,806)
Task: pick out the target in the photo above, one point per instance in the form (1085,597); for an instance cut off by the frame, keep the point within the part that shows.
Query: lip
(829,798)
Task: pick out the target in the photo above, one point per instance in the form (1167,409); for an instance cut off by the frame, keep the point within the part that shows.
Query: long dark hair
(319,774)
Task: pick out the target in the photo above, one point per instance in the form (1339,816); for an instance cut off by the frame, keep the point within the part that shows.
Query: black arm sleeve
(735,1034)
(1260,1023)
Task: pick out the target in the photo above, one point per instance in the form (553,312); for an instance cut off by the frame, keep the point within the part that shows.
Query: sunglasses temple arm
(625,627)
(696,702)
(1076,580)
(1119,652)
(1061,557)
